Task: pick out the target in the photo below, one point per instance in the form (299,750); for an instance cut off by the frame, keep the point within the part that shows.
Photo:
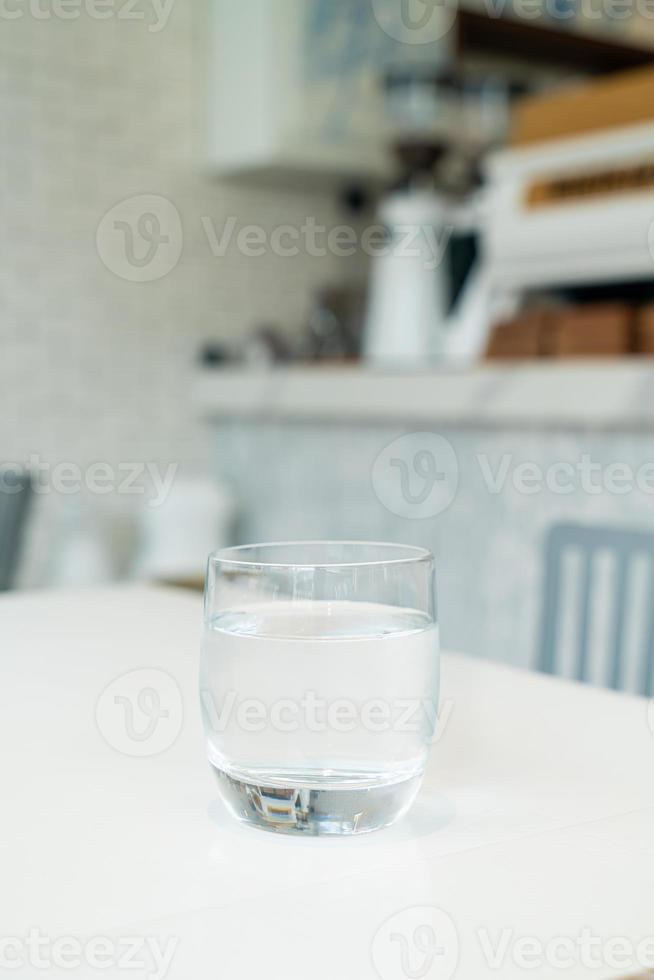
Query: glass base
(315,811)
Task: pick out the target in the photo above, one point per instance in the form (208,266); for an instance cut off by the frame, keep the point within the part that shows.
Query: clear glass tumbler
(319,682)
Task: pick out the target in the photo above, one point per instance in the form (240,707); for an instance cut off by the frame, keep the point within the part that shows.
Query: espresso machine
(424,275)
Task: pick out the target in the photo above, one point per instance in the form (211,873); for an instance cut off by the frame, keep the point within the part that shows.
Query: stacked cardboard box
(518,338)
(596,330)
(623,99)
(644,331)
(592,330)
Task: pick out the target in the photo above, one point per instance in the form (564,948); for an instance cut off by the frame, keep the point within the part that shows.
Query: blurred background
(354,269)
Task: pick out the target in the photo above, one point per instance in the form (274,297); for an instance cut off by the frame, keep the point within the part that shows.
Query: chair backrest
(15,494)
(627,552)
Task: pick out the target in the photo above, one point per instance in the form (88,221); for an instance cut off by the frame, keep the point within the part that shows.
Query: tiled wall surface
(92,111)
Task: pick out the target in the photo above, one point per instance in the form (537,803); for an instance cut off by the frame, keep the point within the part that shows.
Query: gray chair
(15,495)
(624,547)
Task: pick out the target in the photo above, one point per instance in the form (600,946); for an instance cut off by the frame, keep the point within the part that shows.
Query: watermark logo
(141,239)
(422,942)
(426,21)
(141,713)
(416,476)
(407,241)
(148,954)
(599,13)
(419,943)
(98,479)
(415,21)
(154,13)
(313,714)
(587,950)
(563,477)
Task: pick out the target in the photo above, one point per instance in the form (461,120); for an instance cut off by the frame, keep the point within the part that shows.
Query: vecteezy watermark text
(588,10)
(153,12)
(415,22)
(318,241)
(148,954)
(423,942)
(417,475)
(141,239)
(68,478)
(563,477)
(565,952)
(316,715)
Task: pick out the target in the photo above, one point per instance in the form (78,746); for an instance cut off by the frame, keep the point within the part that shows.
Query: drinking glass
(319,682)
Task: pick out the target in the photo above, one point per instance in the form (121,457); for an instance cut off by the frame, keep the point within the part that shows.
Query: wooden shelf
(503,36)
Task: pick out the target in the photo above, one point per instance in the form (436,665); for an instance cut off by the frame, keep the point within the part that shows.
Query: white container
(409,292)
(195,518)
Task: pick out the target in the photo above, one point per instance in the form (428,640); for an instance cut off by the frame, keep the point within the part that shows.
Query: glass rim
(231,555)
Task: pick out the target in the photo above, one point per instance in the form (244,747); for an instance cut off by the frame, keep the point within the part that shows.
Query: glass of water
(319,682)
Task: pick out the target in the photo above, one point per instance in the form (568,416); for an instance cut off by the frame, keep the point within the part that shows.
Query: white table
(536,820)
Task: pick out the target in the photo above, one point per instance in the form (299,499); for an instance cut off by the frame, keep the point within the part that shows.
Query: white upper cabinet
(296,86)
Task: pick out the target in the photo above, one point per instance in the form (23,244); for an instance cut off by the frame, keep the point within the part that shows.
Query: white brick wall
(92,112)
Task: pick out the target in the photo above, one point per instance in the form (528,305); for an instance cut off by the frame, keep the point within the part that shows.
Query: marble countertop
(609,395)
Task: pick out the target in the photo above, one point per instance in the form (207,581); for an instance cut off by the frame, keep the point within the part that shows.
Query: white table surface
(536,818)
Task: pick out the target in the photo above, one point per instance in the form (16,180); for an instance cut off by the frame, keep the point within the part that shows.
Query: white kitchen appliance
(571,212)
(568,212)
